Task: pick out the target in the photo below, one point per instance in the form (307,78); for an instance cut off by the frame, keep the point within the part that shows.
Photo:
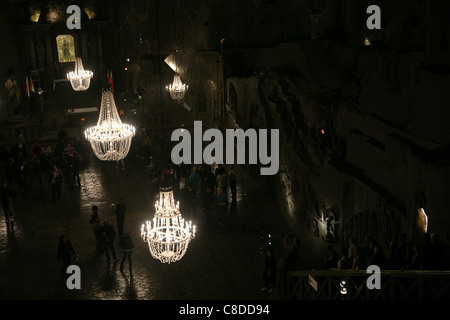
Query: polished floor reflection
(222,262)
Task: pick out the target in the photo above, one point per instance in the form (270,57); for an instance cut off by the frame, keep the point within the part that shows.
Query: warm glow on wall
(90,13)
(422,220)
(34,15)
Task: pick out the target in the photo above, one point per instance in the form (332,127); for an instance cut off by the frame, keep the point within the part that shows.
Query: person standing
(6,195)
(94,220)
(194,179)
(56,181)
(73,166)
(269,273)
(127,246)
(120,210)
(65,252)
(108,236)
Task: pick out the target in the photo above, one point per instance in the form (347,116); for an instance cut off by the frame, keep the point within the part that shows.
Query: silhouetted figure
(378,258)
(65,252)
(395,261)
(73,167)
(332,258)
(108,236)
(359,260)
(269,273)
(290,244)
(438,252)
(344,262)
(62,134)
(351,248)
(127,246)
(6,195)
(94,220)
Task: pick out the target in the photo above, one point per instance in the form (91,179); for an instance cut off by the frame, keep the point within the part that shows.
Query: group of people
(56,168)
(105,235)
(198,187)
(105,239)
(429,254)
(275,270)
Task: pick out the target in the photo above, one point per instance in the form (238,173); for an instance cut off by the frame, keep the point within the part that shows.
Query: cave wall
(383,109)
(305,66)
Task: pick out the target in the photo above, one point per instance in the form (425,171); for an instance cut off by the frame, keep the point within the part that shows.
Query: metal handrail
(395,285)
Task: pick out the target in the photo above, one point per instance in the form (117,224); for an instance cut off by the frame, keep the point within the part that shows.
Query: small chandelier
(110,139)
(80,79)
(169,235)
(177,89)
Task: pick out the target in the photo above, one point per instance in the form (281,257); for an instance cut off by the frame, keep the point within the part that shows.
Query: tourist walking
(65,252)
(94,220)
(6,195)
(127,246)
(269,273)
(73,167)
(108,236)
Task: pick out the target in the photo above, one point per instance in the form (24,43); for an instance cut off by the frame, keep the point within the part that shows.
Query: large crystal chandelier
(177,89)
(110,139)
(80,79)
(168,236)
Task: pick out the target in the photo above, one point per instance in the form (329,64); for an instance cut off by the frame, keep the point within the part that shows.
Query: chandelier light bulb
(110,139)
(169,235)
(177,89)
(80,79)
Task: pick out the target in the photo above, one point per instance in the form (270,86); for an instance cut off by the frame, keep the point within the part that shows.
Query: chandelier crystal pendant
(168,236)
(80,79)
(110,139)
(177,89)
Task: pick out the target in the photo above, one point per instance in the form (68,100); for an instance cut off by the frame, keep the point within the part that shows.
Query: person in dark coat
(6,195)
(94,220)
(127,246)
(269,274)
(65,252)
(332,258)
(73,166)
(108,235)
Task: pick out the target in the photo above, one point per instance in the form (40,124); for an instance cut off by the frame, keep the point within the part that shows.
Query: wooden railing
(395,285)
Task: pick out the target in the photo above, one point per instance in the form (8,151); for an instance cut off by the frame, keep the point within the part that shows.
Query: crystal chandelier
(110,139)
(177,89)
(169,235)
(80,79)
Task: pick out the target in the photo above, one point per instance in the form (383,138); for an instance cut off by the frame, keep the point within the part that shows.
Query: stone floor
(222,262)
